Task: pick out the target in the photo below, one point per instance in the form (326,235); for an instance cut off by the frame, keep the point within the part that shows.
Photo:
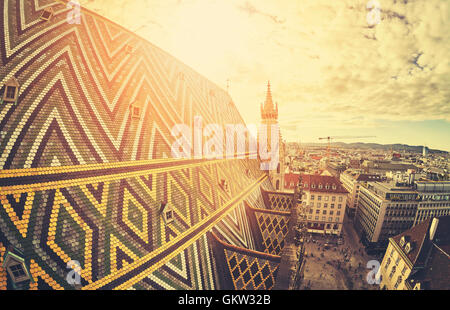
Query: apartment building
(351,180)
(386,209)
(434,199)
(419,258)
(326,199)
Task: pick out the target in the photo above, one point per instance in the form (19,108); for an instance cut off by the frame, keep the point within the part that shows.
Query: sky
(334,67)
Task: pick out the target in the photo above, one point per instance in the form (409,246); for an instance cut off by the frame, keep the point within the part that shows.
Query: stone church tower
(269,117)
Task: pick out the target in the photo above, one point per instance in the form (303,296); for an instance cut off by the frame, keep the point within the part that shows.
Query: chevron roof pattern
(85,158)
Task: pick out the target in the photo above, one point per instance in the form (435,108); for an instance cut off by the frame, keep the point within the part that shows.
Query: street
(337,267)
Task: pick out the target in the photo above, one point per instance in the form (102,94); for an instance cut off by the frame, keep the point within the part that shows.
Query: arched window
(278,184)
(278,168)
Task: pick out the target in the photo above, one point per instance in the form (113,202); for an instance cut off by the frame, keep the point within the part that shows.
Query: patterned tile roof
(85,152)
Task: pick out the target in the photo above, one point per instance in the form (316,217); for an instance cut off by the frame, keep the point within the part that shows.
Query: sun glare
(207,34)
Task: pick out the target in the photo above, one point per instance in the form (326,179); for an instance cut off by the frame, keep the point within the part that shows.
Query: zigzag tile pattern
(270,228)
(244,269)
(83,179)
(278,200)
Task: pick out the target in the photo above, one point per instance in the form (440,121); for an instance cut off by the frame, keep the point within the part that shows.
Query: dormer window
(47,14)
(313,186)
(129,49)
(320,186)
(167,213)
(334,186)
(135,110)
(402,241)
(327,186)
(11,91)
(224,185)
(408,248)
(247,172)
(14,263)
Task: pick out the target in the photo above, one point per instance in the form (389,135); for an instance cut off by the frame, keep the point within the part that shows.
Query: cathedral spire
(268,110)
(268,105)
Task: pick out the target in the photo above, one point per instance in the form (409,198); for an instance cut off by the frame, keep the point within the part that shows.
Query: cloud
(251,10)
(320,55)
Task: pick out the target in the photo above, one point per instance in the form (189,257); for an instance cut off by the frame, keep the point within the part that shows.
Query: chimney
(433,228)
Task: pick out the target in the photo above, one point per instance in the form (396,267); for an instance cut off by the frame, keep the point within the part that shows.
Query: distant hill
(376,146)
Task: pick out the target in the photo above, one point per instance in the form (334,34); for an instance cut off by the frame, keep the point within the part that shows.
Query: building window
(337,219)
(312,197)
(339,206)
(278,184)
(333,198)
(17,270)
(324,212)
(338,213)
(47,14)
(326,198)
(319,198)
(167,213)
(14,263)
(399,281)
(340,199)
(247,173)
(330,219)
(325,205)
(331,212)
(408,248)
(332,206)
(11,92)
(318,205)
(392,272)
(135,110)
(317,218)
(320,186)
(224,185)
(388,262)
(317,211)
(129,49)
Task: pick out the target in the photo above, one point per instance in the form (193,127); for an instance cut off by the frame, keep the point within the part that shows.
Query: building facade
(325,199)
(386,209)
(351,179)
(434,199)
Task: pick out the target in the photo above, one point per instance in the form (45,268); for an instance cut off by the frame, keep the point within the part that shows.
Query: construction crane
(340,137)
